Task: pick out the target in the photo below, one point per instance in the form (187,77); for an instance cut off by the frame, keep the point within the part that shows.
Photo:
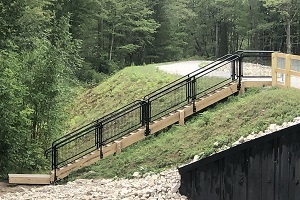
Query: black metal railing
(140,114)
(258,59)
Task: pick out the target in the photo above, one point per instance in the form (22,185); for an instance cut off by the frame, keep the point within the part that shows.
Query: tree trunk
(100,34)
(223,47)
(217,41)
(253,19)
(112,42)
(288,27)
(288,35)
(35,124)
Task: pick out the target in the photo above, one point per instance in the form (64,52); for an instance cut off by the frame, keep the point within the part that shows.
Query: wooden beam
(167,121)
(29,179)
(200,105)
(118,146)
(248,84)
(274,68)
(287,70)
(181,117)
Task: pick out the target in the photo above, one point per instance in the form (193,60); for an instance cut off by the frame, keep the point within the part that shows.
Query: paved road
(186,67)
(182,68)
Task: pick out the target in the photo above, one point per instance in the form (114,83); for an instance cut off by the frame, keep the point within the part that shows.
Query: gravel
(184,68)
(160,186)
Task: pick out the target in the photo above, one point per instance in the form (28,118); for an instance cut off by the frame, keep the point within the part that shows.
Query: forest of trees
(48,47)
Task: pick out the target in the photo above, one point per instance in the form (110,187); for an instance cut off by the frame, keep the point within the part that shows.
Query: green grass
(224,123)
(126,86)
(122,88)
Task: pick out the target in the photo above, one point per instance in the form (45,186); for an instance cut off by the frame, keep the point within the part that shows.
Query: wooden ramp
(29,179)
(139,134)
(131,138)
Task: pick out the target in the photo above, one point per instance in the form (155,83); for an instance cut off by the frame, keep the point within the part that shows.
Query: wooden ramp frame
(131,138)
(33,179)
(138,135)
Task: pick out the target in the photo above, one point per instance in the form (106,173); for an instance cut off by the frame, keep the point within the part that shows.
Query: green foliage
(14,116)
(36,79)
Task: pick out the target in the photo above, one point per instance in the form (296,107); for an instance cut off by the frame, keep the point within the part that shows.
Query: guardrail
(141,113)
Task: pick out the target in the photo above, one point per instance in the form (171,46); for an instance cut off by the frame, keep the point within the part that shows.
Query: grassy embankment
(126,86)
(224,123)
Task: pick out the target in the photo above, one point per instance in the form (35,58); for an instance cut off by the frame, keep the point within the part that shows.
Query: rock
(250,137)
(235,143)
(196,158)
(297,119)
(136,175)
(241,140)
(272,127)
(216,144)
(175,188)
(291,123)
(284,125)
(202,155)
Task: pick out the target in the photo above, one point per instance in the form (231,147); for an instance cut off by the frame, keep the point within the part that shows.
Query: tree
(288,10)
(36,72)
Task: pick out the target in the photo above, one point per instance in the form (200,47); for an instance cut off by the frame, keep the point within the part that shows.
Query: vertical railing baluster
(100,136)
(233,70)
(194,92)
(55,156)
(188,89)
(240,73)
(96,135)
(146,115)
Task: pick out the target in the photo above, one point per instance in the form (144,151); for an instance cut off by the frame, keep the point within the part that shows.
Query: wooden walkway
(118,145)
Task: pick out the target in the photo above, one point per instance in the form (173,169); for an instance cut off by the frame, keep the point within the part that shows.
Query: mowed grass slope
(126,86)
(224,123)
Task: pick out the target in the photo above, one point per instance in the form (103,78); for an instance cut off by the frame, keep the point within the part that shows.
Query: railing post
(96,135)
(146,116)
(240,72)
(99,137)
(233,63)
(274,68)
(193,93)
(54,160)
(188,89)
(287,70)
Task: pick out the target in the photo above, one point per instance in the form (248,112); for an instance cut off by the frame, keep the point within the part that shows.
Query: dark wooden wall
(267,168)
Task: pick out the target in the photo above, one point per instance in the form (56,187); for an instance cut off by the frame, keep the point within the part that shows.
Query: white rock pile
(272,128)
(151,186)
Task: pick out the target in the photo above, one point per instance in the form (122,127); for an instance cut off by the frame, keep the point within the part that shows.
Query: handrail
(189,74)
(84,128)
(141,113)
